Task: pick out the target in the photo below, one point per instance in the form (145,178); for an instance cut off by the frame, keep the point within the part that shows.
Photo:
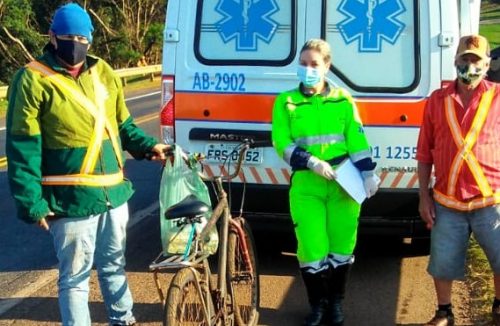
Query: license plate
(219,153)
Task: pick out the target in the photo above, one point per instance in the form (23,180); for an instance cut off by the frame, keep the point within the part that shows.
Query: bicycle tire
(184,305)
(245,285)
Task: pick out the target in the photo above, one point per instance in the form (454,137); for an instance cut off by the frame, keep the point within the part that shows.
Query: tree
(126,31)
(20,40)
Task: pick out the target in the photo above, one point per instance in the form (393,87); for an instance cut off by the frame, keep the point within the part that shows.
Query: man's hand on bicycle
(159,152)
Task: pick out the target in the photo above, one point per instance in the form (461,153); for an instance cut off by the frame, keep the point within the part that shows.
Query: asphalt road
(389,285)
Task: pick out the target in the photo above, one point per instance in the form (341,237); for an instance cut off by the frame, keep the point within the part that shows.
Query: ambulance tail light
(167,112)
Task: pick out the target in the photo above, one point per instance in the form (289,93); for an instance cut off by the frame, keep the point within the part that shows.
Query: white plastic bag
(177,182)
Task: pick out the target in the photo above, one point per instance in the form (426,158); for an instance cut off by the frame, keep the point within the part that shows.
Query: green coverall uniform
(328,127)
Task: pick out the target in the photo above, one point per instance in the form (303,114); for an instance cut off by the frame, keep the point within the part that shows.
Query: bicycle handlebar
(152,155)
(260,143)
(190,159)
(245,145)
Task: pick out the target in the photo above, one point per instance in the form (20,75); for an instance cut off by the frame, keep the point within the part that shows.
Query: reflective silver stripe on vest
(315,266)
(332,260)
(360,155)
(287,154)
(339,260)
(320,140)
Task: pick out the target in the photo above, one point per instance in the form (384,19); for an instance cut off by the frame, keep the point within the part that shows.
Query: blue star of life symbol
(246,21)
(370,22)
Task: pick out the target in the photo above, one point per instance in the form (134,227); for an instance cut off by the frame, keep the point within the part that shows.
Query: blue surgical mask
(309,76)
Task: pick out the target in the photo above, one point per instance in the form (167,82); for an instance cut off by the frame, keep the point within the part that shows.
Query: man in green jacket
(67,124)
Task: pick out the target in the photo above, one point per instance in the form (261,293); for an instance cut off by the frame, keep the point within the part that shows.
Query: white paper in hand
(349,178)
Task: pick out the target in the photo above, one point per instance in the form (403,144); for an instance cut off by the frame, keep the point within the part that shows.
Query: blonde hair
(319,45)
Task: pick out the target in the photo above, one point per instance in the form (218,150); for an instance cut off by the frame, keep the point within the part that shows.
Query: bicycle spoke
(191,311)
(243,276)
(185,306)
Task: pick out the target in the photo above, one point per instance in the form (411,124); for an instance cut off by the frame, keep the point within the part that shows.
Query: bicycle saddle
(189,207)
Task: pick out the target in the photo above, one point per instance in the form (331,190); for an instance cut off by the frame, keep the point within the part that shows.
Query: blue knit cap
(71,19)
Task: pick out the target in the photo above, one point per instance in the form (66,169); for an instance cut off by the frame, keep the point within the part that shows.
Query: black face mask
(71,52)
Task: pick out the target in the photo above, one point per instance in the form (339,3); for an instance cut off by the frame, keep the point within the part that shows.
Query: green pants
(324,215)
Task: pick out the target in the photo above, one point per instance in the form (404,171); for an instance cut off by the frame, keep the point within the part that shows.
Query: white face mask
(309,76)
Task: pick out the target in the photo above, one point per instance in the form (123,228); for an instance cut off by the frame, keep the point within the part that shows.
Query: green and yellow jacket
(49,133)
(325,125)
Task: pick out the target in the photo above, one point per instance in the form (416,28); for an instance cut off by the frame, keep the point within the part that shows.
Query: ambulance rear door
(232,59)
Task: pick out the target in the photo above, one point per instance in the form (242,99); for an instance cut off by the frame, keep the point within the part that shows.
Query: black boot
(336,291)
(316,286)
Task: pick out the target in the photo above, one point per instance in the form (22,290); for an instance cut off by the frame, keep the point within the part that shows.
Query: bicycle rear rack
(195,260)
(178,261)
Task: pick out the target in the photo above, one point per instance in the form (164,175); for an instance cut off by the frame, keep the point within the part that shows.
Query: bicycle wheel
(184,305)
(244,282)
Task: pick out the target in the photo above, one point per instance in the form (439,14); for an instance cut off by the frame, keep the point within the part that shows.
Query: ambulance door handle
(171,35)
(445,39)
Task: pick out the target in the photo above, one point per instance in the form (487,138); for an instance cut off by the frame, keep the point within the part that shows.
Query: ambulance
(224,62)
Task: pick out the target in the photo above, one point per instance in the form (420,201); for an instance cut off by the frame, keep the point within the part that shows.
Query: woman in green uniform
(315,127)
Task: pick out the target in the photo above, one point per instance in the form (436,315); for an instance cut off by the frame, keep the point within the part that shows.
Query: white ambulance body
(224,62)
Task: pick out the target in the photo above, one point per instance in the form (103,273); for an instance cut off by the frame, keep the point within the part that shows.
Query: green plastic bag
(177,182)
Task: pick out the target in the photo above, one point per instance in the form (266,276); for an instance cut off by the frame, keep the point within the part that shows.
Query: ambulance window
(245,32)
(374,44)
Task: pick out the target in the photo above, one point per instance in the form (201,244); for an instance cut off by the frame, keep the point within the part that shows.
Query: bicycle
(193,298)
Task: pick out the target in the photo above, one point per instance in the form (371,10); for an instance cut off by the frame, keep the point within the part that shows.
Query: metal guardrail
(122,73)
(128,72)
(139,71)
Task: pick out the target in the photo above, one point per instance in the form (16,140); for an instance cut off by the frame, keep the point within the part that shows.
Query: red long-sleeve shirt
(436,145)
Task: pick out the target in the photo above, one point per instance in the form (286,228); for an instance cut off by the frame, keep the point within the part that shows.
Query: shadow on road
(374,294)
(24,247)
(29,311)
(373,291)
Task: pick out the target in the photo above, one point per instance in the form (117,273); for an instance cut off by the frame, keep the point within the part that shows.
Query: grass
(3,107)
(133,84)
(479,273)
(490,11)
(480,282)
(140,83)
(492,33)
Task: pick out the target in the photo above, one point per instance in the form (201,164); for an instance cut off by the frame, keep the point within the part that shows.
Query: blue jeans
(79,243)
(450,238)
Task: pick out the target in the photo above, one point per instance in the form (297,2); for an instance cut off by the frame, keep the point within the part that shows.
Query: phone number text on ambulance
(394,152)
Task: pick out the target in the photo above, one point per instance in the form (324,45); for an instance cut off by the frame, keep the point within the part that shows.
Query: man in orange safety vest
(459,138)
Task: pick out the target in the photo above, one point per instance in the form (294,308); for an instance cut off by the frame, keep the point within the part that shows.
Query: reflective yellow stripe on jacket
(92,180)
(465,154)
(101,126)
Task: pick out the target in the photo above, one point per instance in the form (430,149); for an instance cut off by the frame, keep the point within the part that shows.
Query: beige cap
(475,44)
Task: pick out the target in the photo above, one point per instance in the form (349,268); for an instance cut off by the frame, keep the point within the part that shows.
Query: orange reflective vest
(464,156)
